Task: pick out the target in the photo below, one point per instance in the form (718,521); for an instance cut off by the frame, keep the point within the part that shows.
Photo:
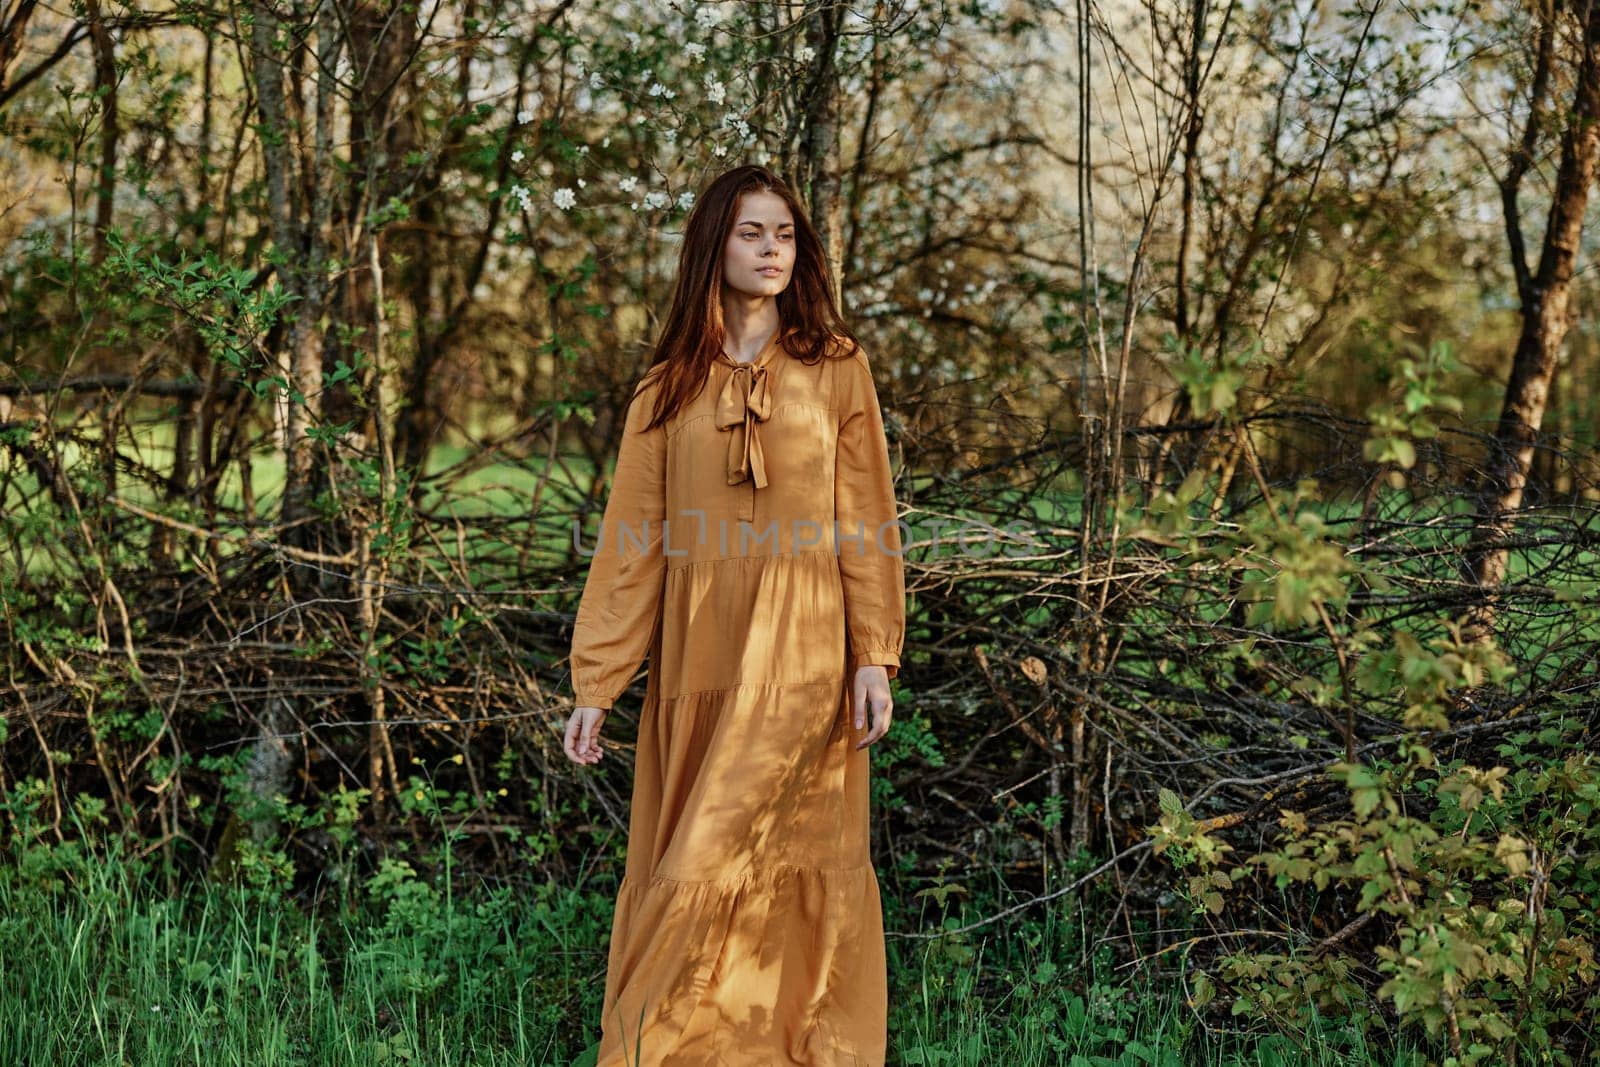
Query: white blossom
(628,183)
(695,51)
(524,117)
(707,16)
(716,92)
(686,199)
(565,198)
(805,54)
(595,81)
(655,198)
(516,156)
(719,150)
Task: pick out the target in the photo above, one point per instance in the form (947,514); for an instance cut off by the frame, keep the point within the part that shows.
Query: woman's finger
(570,741)
(881,712)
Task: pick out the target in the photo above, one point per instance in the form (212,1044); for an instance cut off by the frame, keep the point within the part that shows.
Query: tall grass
(102,962)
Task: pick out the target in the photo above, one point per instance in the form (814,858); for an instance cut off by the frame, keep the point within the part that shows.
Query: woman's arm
(621,603)
(871,567)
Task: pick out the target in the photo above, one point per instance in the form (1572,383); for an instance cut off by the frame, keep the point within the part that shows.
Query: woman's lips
(774,271)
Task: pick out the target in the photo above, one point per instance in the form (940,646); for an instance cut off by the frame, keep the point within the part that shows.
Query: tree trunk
(1547,315)
(820,152)
(299,234)
(105,83)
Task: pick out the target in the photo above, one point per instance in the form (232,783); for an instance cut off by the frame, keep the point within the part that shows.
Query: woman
(750,547)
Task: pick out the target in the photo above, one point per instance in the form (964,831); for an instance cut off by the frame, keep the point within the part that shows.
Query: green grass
(103,970)
(99,965)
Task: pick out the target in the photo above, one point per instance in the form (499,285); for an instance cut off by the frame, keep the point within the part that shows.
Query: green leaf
(1169,801)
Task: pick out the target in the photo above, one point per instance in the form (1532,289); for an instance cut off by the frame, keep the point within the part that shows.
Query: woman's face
(758,256)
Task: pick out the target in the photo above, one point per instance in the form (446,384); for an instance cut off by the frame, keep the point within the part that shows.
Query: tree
(1547,295)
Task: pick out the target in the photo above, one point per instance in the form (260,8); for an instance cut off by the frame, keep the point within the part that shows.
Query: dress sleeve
(869,545)
(621,604)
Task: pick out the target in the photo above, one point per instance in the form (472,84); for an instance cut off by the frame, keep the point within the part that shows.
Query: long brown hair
(692,334)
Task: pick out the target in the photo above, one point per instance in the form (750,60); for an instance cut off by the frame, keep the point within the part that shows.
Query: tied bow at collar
(745,400)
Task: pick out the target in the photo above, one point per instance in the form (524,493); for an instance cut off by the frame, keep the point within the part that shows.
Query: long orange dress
(751,548)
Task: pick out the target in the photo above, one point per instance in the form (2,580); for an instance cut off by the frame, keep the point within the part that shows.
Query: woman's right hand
(583,735)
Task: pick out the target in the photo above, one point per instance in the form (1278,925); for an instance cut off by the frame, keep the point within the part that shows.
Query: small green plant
(1398,425)
(1477,882)
(1211,385)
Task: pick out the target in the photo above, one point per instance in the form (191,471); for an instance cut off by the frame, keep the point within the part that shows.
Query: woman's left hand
(871,693)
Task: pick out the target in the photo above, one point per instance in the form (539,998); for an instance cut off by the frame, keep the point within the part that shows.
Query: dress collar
(763,357)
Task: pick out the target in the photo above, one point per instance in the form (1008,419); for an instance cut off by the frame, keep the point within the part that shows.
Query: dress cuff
(880,657)
(582,699)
